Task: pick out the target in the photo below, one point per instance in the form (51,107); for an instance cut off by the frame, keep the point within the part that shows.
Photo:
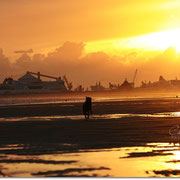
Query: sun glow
(156,41)
(150,42)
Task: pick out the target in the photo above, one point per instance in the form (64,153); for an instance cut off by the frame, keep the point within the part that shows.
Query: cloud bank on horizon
(87,68)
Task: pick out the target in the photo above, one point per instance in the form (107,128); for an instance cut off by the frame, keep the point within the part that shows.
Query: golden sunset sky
(45,24)
(91,40)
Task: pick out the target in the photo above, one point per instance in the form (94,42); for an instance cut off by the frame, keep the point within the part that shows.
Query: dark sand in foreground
(91,134)
(38,140)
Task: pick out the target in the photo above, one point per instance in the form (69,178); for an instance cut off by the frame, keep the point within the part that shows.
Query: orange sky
(91,40)
(44,24)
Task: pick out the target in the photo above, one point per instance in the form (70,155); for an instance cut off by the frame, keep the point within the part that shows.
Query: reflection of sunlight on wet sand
(176,155)
(81,117)
(176,114)
(116,162)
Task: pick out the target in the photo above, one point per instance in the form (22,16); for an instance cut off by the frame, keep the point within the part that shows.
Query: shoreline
(138,106)
(134,92)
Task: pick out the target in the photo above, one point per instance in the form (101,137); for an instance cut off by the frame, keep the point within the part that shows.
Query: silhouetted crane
(39,75)
(69,85)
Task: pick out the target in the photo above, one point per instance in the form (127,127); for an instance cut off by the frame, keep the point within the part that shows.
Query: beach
(54,139)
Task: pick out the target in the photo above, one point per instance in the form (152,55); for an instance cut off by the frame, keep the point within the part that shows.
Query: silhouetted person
(87,109)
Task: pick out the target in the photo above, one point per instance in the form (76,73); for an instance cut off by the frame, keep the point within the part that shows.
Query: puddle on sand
(94,117)
(153,159)
(164,114)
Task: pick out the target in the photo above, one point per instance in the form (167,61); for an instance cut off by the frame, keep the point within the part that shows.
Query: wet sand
(129,131)
(95,132)
(59,136)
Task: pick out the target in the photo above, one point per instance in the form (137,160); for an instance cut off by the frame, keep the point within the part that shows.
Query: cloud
(24,51)
(88,68)
(68,51)
(5,65)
